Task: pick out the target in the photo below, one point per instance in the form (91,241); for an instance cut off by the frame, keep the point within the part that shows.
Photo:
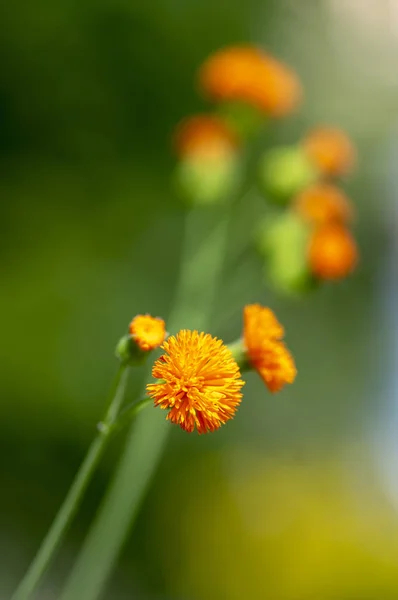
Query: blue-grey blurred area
(295,499)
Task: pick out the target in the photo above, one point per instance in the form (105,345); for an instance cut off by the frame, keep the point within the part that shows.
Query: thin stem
(129,412)
(72,500)
(238,351)
(205,239)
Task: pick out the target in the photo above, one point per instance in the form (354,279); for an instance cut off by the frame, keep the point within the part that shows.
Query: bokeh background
(297,498)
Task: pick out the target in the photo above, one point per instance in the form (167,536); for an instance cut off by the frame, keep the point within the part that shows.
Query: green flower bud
(205,180)
(284,172)
(129,353)
(283,242)
(288,276)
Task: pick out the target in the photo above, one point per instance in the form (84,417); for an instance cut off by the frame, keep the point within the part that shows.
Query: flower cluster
(309,239)
(306,237)
(198,377)
(247,86)
(332,251)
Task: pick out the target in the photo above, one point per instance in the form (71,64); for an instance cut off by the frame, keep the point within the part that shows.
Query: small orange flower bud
(147,332)
(331,150)
(333,253)
(208,170)
(323,203)
(246,74)
(206,136)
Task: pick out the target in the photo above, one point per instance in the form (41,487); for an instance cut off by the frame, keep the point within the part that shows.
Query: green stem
(72,500)
(238,351)
(129,412)
(200,272)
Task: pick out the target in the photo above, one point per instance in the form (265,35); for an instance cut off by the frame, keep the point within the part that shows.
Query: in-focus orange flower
(246,74)
(199,381)
(331,150)
(333,253)
(148,332)
(262,334)
(206,136)
(323,203)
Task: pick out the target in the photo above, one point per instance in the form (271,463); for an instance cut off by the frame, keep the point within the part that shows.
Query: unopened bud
(284,172)
(205,180)
(283,242)
(128,351)
(146,333)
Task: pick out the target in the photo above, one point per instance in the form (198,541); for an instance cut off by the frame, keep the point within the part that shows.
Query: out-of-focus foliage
(252,526)
(89,94)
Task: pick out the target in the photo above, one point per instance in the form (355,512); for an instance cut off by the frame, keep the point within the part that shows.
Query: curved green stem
(129,412)
(72,500)
(205,239)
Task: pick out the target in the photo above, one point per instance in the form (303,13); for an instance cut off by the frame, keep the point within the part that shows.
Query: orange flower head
(199,381)
(323,203)
(148,332)
(262,334)
(246,74)
(331,150)
(333,253)
(206,136)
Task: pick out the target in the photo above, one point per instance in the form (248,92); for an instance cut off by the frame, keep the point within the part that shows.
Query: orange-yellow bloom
(323,203)
(331,150)
(199,381)
(206,136)
(262,334)
(333,253)
(246,74)
(148,332)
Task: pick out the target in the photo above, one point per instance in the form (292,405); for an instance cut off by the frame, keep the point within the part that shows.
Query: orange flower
(266,353)
(259,319)
(199,381)
(148,332)
(323,203)
(246,74)
(206,136)
(333,253)
(331,150)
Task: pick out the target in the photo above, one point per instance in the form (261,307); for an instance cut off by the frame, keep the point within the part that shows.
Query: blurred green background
(297,498)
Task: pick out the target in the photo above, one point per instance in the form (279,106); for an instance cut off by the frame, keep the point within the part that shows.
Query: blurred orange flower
(267,354)
(199,381)
(246,74)
(323,203)
(148,332)
(331,150)
(333,253)
(204,135)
